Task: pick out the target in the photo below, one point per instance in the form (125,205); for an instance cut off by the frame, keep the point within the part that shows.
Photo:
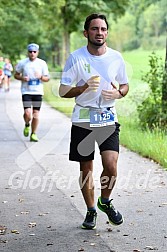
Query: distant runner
(32,72)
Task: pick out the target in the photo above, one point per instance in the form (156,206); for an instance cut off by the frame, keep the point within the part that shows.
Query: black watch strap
(121,93)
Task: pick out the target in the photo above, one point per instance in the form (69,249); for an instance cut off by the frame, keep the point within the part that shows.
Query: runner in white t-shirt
(32,72)
(92,75)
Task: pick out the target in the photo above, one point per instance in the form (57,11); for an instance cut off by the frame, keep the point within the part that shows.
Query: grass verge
(149,144)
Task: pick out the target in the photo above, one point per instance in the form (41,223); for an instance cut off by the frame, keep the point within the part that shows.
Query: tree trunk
(66,44)
(66,36)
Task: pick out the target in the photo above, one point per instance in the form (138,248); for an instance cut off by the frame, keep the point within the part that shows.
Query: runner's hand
(38,75)
(25,78)
(93,83)
(111,94)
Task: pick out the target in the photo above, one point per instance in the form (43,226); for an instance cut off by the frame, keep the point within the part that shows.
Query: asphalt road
(41,207)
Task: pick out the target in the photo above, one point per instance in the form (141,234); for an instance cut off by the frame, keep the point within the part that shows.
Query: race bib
(34,82)
(101,118)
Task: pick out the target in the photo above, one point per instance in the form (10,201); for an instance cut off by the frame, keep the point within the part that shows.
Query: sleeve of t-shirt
(19,67)
(45,70)
(11,67)
(69,74)
(122,77)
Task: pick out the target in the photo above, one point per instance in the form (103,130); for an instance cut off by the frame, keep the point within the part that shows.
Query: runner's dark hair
(94,16)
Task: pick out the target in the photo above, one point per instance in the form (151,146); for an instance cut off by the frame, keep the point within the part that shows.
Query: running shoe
(113,215)
(90,220)
(26,131)
(33,137)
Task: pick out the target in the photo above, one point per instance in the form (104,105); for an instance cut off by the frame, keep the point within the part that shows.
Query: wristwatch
(120,92)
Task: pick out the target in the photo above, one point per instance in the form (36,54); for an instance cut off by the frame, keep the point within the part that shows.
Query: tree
(18,27)
(137,7)
(122,33)
(75,11)
(24,22)
(47,22)
(52,22)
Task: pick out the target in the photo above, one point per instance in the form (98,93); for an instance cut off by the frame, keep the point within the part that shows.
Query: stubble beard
(96,44)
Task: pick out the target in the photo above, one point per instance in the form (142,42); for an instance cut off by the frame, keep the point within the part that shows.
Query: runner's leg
(86,182)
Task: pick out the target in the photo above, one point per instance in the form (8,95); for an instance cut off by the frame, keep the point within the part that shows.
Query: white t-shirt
(80,66)
(31,68)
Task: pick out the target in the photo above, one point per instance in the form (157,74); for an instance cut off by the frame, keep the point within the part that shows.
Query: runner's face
(32,55)
(97,32)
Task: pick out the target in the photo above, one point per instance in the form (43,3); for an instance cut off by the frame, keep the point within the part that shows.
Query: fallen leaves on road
(15,231)
(21,200)
(81,249)
(162,184)
(2,230)
(163,204)
(3,241)
(49,244)
(139,211)
(43,214)
(151,248)
(25,212)
(32,224)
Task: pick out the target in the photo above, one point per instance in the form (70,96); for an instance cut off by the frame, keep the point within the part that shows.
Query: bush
(150,110)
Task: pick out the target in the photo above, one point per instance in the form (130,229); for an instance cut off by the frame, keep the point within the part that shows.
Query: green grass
(51,96)
(148,144)
(137,62)
(152,145)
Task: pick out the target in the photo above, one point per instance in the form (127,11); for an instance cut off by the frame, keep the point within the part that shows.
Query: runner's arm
(70,92)
(18,76)
(123,89)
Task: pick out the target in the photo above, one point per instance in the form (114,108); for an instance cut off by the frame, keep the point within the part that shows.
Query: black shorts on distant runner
(82,145)
(34,101)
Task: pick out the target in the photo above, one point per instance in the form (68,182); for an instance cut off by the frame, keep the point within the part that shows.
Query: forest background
(137,28)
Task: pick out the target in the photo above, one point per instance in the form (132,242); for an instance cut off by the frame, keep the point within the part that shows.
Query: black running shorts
(83,138)
(34,101)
